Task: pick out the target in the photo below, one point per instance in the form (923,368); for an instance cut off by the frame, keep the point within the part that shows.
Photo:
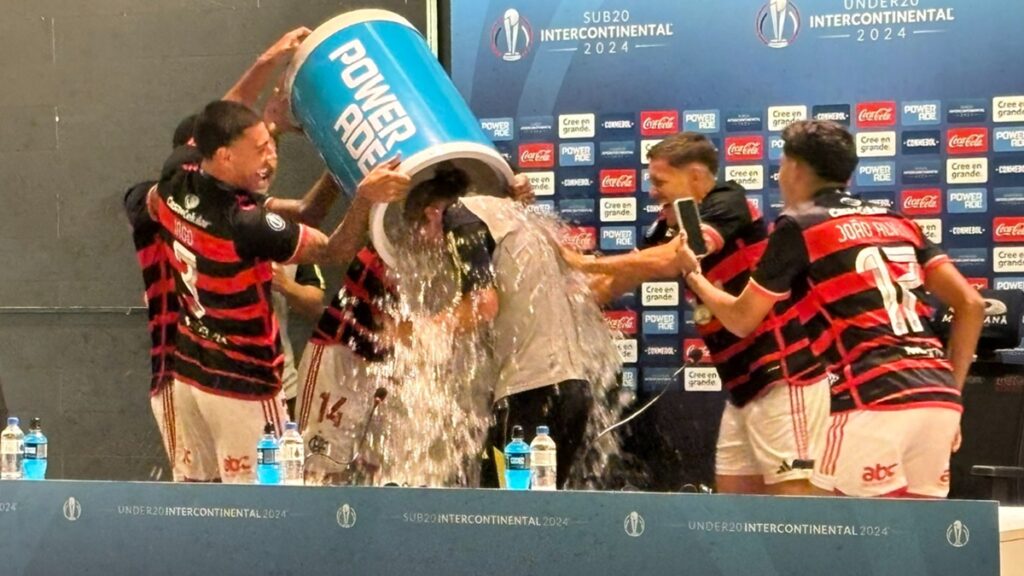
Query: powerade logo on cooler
(744,148)
(1010,283)
(621,321)
(533,128)
(576,154)
(750,177)
(659,294)
(781,116)
(618,238)
(577,210)
(1008,109)
(576,126)
(966,200)
(617,124)
(921,202)
(1008,229)
(618,151)
(921,142)
(775,148)
(1008,259)
(1008,169)
(376,121)
(875,144)
(659,122)
(618,181)
(618,209)
(921,113)
(498,129)
(538,155)
(972,261)
(967,111)
(543,183)
(838,113)
(923,171)
(744,121)
(876,174)
(1008,139)
(967,140)
(876,114)
(582,238)
(705,121)
(661,323)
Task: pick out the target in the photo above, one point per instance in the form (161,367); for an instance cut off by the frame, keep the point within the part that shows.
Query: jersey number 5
(189,277)
(897,296)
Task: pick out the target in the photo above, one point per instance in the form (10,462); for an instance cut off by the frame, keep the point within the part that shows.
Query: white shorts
(777,435)
(210,437)
(889,452)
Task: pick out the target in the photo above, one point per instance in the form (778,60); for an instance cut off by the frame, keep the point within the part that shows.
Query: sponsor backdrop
(575,92)
(73,527)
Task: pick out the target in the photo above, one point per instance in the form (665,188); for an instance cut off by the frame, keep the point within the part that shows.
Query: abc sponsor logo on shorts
(922,142)
(659,122)
(1010,139)
(921,113)
(781,116)
(1010,283)
(659,294)
(1008,259)
(701,379)
(967,140)
(744,148)
(838,113)
(744,121)
(536,127)
(645,148)
(967,111)
(750,177)
(628,349)
(931,228)
(498,129)
(580,238)
(619,181)
(618,209)
(618,238)
(966,200)
(576,126)
(1008,109)
(876,114)
(967,170)
(622,321)
(543,183)
(876,174)
(705,121)
(921,202)
(661,323)
(878,473)
(538,155)
(1008,229)
(876,144)
(576,154)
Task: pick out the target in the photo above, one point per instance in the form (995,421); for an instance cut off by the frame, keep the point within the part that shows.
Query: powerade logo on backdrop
(618,238)
(876,114)
(576,154)
(619,150)
(376,122)
(629,378)
(744,121)
(966,200)
(542,207)
(876,174)
(777,23)
(705,121)
(645,180)
(967,111)
(1008,139)
(775,147)
(924,171)
(921,113)
(498,129)
(578,210)
(1010,283)
(921,142)
(659,122)
(537,128)
(838,113)
(661,322)
(614,125)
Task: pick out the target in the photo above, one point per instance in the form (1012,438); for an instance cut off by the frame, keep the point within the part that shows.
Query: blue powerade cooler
(365,87)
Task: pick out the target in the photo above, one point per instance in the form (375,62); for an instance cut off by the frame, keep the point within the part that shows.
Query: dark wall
(91,93)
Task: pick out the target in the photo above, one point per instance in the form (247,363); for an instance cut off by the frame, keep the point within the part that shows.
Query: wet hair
(447,185)
(823,145)
(221,123)
(685,148)
(185,131)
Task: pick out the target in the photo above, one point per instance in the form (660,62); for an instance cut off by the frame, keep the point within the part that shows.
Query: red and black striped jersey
(857,271)
(221,241)
(357,314)
(158,277)
(778,351)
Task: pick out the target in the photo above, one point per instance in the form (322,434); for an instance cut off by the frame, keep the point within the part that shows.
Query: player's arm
(304,292)
(944,281)
(312,208)
(521,190)
(248,88)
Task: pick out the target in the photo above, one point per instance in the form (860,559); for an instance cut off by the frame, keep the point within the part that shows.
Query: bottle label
(292,452)
(544,458)
(35,451)
(517,461)
(266,456)
(10,446)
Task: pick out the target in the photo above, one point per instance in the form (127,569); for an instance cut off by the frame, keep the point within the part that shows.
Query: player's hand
(574,258)
(275,113)
(956,441)
(385,183)
(287,45)
(521,189)
(686,260)
(280,282)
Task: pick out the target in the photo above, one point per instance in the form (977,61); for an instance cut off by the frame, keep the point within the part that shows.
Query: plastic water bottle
(12,450)
(517,462)
(543,461)
(268,461)
(293,455)
(34,464)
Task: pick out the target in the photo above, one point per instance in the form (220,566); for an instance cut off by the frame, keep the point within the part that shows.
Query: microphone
(378,398)
(695,355)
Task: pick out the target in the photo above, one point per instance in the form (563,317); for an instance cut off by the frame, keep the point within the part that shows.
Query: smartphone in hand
(688,217)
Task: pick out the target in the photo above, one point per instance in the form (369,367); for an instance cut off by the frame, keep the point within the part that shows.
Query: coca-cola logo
(879,115)
(967,140)
(618,181)
(917,202)
(876,114)
(623,321)
(581,238)
(537,156)
(745,148)
(659,122)
(662,123)
(978,283)
(1008,229)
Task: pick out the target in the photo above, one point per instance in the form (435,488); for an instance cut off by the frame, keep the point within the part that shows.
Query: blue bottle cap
(291,426)
(12,420)
(543,430)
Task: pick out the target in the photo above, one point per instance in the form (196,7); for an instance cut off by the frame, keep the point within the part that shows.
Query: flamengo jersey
(356,315)
(778,350)
(220,242)
(857,271)
(158,276)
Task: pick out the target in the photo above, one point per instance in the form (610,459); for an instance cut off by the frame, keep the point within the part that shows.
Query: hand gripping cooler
(364,86)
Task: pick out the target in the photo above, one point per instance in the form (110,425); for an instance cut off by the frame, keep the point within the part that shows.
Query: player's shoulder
(136,203)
